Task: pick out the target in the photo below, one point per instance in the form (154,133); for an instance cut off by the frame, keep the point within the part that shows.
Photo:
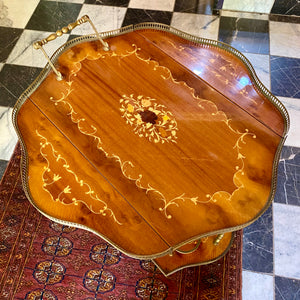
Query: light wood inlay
(153,145)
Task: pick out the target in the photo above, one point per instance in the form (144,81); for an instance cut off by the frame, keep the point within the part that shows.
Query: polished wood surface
(153,144)
(207,251)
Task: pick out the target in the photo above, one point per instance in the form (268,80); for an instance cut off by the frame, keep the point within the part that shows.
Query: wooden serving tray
(164,145)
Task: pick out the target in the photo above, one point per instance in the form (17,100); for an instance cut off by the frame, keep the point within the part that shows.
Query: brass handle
(39,44)
(218,239)
(197,244)
(60,32)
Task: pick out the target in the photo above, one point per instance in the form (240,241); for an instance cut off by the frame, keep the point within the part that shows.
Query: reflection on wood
(153,144)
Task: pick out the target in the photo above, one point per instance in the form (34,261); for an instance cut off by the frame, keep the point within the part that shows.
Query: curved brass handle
(218,239)
(39,44)
(197,244)
(60,32)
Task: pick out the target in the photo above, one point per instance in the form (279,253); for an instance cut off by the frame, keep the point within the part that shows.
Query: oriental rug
(40,259)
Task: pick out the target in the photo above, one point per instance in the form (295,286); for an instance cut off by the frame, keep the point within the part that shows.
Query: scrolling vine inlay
(53,176)
(155,122)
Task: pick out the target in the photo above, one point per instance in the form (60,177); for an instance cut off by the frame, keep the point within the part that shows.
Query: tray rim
(193,38)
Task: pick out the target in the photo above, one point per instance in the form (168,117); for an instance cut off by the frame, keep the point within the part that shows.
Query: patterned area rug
(40,259)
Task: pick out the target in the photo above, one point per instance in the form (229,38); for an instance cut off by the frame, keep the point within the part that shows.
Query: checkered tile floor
(271,260)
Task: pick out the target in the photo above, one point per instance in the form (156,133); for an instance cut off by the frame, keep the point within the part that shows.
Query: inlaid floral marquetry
(54,176)
(163,142)
(149,119)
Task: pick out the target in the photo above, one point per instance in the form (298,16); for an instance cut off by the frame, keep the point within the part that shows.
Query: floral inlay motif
(153,121)
(49,178)
(149,119)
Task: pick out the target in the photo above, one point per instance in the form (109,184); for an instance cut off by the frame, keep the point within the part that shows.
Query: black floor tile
(246,35)
(204,7)
(14,80)
(122,3)
(8,39)
(135,16)
(284,18)
(73,36)
(286,7)
(288,183)
(219,4)
(285,76)
(51,16)
(287,289)
(3,165)
(258,244)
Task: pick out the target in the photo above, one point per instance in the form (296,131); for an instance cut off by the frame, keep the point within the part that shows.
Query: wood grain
(153,144)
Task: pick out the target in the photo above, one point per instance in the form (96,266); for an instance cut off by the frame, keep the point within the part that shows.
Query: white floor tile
(153,4)
(261,65)
(286,240)
(4,19)
(24,54)
(70,1)
(257,286)
(8,136)
(243,15)
(105,18)
(257,6)
(17,13)
(200,25)
(285,39)
(293,107)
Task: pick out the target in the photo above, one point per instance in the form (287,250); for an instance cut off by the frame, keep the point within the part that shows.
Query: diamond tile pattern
(50,16)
